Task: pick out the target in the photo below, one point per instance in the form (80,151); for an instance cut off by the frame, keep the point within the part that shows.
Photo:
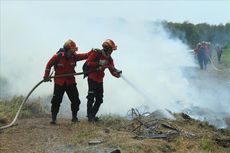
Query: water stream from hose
(135,88)
(145,96)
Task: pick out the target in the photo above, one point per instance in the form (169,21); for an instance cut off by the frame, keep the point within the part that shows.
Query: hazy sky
(209,11)
(44,25)
(31,32)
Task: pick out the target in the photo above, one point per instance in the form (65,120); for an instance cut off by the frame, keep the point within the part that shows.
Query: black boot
(74,117)
(54,116)
(96,119)
(95,110)
(75,120)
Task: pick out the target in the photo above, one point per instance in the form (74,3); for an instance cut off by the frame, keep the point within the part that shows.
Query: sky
(32,31)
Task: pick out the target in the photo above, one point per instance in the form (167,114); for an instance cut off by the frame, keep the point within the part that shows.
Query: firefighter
(219,51)
(64,62)
(99,59)
(202,55)
(197,48)
(208,51)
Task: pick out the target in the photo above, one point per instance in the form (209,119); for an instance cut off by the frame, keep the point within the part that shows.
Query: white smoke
(154,64)
(147,57)
(162,69)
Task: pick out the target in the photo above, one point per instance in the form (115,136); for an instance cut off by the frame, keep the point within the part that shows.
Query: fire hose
(213,65)
(39,83)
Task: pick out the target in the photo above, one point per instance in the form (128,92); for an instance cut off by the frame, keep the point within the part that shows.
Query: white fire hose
(24,101)
(213,65)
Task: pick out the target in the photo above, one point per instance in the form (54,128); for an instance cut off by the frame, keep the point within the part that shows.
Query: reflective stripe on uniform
(90,92)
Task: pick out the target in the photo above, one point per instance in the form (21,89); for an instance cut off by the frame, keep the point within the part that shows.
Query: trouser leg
(99,98)
(90,97)
(73,95)
(200,60)
(56,100)
(219,56)
(206,59)
(89,106)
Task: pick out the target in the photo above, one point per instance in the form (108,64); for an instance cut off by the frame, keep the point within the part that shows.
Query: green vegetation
(9,108)
(193,33)
(226,57)
(206,144)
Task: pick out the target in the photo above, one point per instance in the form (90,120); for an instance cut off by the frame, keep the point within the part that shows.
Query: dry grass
(114,132)
(9,108)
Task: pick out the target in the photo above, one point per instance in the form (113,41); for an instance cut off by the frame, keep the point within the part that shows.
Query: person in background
(208,51)
(64,62)
(219,52)
(202,55)
(99,59)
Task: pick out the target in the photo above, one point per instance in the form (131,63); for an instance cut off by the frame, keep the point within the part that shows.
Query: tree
(192,34)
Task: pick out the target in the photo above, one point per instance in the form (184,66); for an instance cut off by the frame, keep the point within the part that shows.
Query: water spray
(145,96)
(135,88)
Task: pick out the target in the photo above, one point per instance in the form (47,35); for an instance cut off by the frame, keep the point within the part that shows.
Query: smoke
(148,58)
(162,70)
(154,64)
(4,88)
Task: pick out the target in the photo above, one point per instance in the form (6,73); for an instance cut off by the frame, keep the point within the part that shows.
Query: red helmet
(109,43)
(70,45)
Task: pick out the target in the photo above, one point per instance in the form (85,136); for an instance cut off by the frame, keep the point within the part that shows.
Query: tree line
(192,34)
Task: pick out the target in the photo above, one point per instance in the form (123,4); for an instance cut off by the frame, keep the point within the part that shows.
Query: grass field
(226,57)
(35,134)
(9,108)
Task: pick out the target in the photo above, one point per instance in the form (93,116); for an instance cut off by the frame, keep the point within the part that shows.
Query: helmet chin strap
(105,52)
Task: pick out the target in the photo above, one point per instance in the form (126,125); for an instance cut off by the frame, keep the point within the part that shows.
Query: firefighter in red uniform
(202,55)
(99,59)
(64,62)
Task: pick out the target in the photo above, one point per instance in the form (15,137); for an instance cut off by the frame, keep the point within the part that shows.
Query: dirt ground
(36,135)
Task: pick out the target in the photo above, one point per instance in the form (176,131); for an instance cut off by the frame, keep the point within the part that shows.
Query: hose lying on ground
(19,110)
(213,65)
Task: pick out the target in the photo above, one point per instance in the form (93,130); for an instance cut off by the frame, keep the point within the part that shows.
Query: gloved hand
(117,73)
(46,79)
(103,62)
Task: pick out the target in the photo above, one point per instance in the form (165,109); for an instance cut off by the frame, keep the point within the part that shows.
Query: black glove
(119,72)
(46,79)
